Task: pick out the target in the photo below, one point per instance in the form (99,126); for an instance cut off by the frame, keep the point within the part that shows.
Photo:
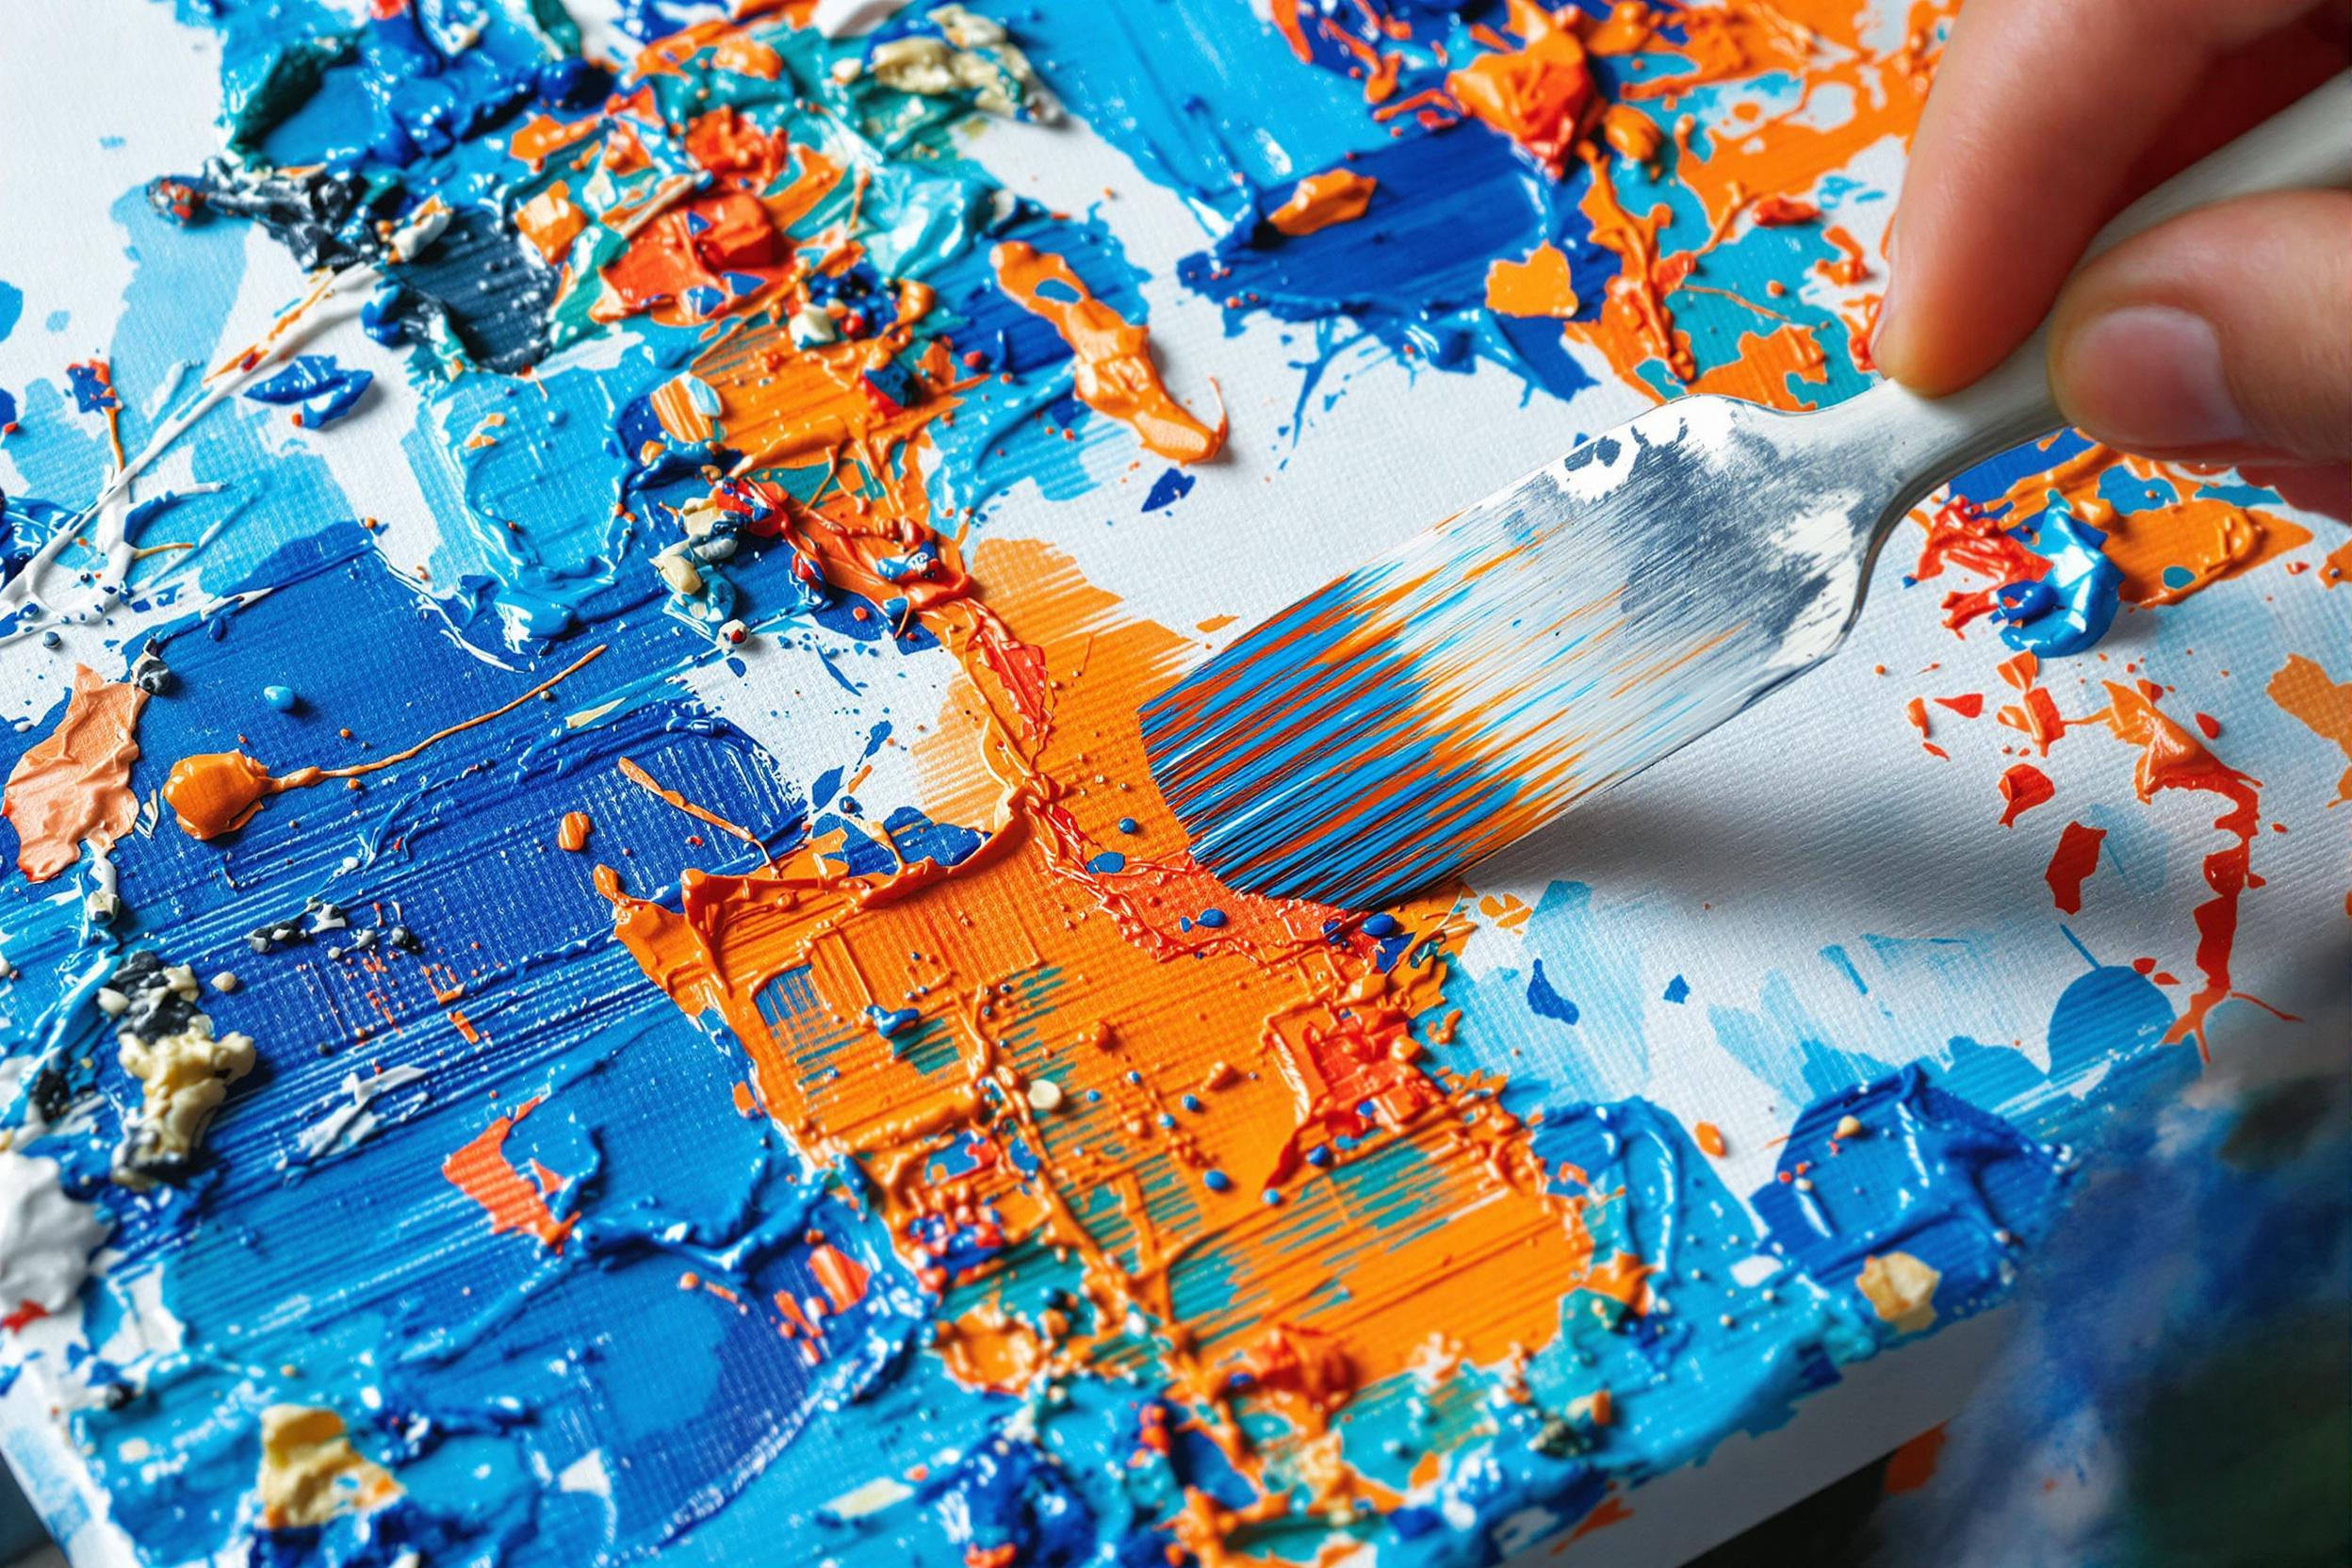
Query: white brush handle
(2307,145)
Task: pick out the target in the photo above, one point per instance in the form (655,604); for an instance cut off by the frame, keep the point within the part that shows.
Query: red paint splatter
(1969,705)
(2071,862)
(2023,787)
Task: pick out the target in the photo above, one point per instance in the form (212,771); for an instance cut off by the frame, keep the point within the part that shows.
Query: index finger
(2047,116)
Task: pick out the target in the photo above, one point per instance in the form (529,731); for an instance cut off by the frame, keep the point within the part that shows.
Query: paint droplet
(572,832)
(1044,1095)
(1711,1139)
(279,698)
(1270,1198)
(1382,926)
(892,1023)
(1129,825)
(224,982)
(1108,863)
(1212,918)
(1850,1127)
(1216,1181)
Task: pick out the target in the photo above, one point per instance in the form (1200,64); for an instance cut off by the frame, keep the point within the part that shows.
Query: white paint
(849,18)
(348,1126)
(586,1474)
(872,1498)
(45,1236)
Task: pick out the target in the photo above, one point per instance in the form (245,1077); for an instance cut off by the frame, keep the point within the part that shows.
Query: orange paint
(1114,372)
(2172,759)
(1540,93)
(687,249)
(1631,134)
(572,832)
(551,223)
(792,955)
(1319,200)
(73,785)
(1540,286)
(2303,689)
(541,138)
(2337,567)
(2023,786)
(1913,1465)
(1710,1139)
(482,1171)
(218,792)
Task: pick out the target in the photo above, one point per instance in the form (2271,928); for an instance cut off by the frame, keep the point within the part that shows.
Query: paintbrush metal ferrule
(1472,684)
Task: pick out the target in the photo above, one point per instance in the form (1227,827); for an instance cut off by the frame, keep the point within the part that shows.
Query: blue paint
(1128,826)
(1213,919)
(325,390)
(92,392)
(2069,609)
(1216,1181)
(1678,991)
(280,697)
(892,1023)
(1173,485)
(1544,1002)
(1955,1187)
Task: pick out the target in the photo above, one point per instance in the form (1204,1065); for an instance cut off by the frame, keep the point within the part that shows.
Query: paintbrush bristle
(1448,698)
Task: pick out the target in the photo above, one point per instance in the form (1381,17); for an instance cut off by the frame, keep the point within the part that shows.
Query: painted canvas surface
(593,967)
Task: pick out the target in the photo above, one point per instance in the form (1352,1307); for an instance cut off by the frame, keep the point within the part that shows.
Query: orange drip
(1114,374)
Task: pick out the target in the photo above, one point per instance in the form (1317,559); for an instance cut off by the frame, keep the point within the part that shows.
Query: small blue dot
(1166,1120)
(1129,825)
(2179,576)
(1192,1104)
(1212,918)
(1108,863)
(1270,1198)
(1382,926)
(1216,1181)
(1319,1157)
(279,698)
(1134,1077)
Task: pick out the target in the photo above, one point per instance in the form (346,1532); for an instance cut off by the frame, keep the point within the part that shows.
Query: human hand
(2224,336)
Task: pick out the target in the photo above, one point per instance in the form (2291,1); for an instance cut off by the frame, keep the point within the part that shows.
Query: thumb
(2224,336)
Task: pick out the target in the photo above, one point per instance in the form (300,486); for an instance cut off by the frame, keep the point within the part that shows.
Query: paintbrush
(1451,695)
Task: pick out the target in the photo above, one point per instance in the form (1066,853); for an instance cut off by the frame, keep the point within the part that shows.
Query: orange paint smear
(1113,373)
(2337,567)
(1540,286)
(1540,94)
(2071,864)
(1292,1040)
(2304,690)
(73,785)
(2172,759)
(1320,201)
(482,1171)
(571,833)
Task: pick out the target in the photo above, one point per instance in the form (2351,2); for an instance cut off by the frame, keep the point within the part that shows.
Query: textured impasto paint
(594,969)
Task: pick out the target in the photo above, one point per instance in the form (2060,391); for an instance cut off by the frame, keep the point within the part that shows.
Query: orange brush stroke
(74,784)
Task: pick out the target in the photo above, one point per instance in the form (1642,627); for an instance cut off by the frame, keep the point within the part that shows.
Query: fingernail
(2148,378)
(1881,325)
